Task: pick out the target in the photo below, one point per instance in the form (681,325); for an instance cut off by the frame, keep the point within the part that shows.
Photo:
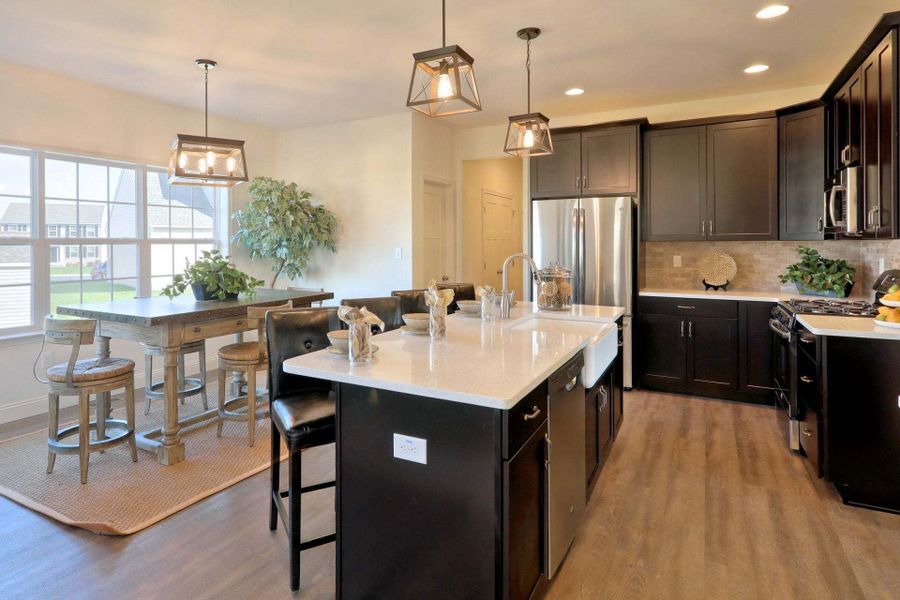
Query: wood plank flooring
(700,499)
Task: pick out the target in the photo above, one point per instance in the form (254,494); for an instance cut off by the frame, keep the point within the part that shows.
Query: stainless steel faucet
(505,303)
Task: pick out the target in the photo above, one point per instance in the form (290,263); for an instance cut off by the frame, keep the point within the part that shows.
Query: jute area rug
(122,497)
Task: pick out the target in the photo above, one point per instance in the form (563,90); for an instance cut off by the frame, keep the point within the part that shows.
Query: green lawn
(94,291)
(69,270)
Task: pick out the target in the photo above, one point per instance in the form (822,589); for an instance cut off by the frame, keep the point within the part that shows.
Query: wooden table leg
(103,398)
(171,448)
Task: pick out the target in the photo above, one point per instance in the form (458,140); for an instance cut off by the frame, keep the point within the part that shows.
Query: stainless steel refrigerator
(595,238)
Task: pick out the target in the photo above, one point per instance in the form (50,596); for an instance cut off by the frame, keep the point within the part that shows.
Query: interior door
(433,241)
(499,240)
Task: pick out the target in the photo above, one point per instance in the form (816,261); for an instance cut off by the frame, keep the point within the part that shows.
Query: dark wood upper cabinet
(742,180)
(674,193)
(558,175)
(878,141)
(609,161)
(801,173)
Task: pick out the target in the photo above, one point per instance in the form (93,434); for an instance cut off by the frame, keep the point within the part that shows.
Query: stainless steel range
(788,335)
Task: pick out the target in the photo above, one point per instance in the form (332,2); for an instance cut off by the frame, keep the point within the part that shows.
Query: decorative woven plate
(716,268)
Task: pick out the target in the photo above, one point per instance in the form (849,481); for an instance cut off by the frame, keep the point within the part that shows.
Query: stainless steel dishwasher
(565,465)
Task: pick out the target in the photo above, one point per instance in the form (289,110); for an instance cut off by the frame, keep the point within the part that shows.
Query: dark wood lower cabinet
(755,354)
(661,340)
(712,353)
(599,424)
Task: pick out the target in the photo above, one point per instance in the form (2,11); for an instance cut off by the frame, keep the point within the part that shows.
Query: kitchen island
(454,479)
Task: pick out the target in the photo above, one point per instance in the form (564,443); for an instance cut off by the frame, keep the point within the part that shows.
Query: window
(140,232)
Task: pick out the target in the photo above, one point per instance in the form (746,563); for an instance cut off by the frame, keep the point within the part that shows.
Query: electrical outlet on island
(676,260)
(410,448)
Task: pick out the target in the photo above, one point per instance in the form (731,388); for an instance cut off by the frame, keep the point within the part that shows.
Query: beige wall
(500,175)
(760,263)
(361,170)
(44,110)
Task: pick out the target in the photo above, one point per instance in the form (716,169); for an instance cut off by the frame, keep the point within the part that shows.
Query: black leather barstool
(461,291)
(302,411)
(387,308)
(411,301)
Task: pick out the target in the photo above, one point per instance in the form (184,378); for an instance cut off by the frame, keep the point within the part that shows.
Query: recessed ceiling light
(772,11)
(574,92)
(756,68)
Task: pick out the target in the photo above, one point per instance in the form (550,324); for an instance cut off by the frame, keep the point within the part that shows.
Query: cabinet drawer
(688,307)
(211,329)
(523,419)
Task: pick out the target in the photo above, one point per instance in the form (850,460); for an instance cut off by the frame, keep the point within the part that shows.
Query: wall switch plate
(676,260)
(410,448)
(398,253)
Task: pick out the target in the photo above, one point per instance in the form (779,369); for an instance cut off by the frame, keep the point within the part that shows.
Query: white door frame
(450,223)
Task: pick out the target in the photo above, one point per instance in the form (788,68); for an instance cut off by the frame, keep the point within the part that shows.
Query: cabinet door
(712,359)
(617,402)
(609,161)
(674,194)
(558,175)
(801,172)
(525,505)
(661,339)
(878,144)
(592,402)
(742,180)
(756,356)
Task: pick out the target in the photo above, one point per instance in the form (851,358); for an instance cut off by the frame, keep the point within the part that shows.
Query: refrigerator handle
(575,254)
(581,258)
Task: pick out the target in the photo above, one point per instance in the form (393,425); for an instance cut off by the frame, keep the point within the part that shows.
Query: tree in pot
(819,276)
(212,277)
(280,223)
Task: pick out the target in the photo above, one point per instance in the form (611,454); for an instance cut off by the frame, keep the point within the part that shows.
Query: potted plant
(819,276)
(280,223)
(212,277)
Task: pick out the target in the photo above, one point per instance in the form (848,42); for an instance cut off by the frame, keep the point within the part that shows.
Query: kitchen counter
(746,296)
(858,327)
(490,364)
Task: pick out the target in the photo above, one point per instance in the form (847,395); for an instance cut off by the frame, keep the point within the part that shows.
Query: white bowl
(340,339)
(416,321)
(891,303)
(472,307)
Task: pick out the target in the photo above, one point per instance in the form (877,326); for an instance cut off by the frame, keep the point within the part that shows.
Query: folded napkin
(352,316)
(437,298)
(483,290)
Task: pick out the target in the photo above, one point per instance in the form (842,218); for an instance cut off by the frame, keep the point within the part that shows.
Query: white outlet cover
(407,447)
(398,253)
(676,260)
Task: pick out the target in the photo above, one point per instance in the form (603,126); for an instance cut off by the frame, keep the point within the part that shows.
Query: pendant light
(443,79)
(528,134)
(204,160)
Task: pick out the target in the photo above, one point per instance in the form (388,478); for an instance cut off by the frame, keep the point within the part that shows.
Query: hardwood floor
(700,499)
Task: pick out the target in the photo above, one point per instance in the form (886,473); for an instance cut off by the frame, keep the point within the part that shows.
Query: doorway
(499,238)
(434,248)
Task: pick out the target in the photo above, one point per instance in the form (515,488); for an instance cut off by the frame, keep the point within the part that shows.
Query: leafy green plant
(280,223)
(217,274)
(819,274)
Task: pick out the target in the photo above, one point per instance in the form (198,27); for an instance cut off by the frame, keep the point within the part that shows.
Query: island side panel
(410,530)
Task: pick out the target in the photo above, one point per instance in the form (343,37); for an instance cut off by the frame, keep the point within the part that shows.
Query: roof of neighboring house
(60,214)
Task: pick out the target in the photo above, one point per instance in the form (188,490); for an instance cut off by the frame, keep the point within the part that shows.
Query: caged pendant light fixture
(443,79)
(204,160)
(528,134)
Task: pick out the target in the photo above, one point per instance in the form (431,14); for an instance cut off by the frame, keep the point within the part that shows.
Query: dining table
(169,324)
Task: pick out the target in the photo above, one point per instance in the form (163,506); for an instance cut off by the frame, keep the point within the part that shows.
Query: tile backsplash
(760,263)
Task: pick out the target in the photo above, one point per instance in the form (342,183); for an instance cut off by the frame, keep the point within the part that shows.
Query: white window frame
(40,239)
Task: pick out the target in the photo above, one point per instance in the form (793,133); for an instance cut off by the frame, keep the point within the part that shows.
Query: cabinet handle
(806,432)
(571,384)
(702,227)
(577,182)
(806,379)
(549,446)
(690,329)
(535,411)
(682,329)
(685,307)
(584,182)
(807,340)
(820,225)
(602,405)
(710,227)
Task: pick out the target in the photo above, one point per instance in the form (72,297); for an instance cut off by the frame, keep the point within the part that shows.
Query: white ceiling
(288,63)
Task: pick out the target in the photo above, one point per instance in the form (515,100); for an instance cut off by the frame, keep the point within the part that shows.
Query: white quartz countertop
(486,363)
(747,296)
(859,327)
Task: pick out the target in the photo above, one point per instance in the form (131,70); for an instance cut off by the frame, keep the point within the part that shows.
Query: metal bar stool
(248,358)
(303,414)
(187,386)
(82,378)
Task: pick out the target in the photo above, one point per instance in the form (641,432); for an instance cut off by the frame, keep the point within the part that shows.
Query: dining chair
(84,378)
(247,358)
(386,308)
(302,410)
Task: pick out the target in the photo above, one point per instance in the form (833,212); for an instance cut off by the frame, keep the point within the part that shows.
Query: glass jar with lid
(554,288)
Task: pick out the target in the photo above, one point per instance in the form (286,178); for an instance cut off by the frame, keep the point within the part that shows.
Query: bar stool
(302,411)
(247,358)
(386,308)
(187,386)
(82,378)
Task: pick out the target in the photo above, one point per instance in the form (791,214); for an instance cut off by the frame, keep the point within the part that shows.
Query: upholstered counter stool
(386,308)
(247,358)
(187,386)
(303,411)
(83,378)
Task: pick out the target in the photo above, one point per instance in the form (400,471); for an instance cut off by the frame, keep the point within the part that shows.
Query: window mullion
(40,254)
